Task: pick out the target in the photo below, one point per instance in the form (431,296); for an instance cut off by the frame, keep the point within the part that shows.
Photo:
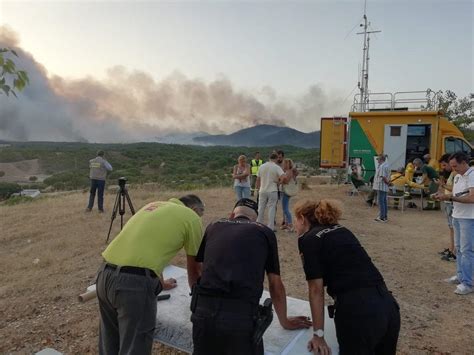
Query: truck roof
(395,113)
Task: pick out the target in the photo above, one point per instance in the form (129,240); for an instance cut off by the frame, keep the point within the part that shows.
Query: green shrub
(70,180)
(15,200)
(7,188)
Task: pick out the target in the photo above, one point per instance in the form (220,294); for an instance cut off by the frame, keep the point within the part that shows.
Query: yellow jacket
(409,171)
(400,181)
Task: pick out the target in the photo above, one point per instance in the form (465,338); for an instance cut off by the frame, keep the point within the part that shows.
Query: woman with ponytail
(367,317)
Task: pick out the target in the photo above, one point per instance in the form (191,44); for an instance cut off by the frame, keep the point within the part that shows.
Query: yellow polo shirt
(155,234)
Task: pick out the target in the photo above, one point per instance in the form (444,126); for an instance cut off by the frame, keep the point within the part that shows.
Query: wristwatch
(319,333)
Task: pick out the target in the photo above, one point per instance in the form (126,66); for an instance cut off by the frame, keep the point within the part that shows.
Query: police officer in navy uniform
(236,253)
(367,317)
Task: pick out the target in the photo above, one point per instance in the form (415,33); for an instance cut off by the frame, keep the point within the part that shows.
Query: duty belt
(132,270)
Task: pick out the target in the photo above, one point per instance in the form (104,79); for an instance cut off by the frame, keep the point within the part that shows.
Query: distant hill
(263,136)
(179,138)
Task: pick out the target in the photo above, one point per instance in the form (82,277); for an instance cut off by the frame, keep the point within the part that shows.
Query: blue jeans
(464,244)
(242,192)
(382,199)
(99,186)
(285,202)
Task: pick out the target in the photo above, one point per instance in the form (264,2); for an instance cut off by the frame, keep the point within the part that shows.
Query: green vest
(255,165)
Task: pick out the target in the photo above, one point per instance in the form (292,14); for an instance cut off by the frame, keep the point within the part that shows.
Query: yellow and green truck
(399,132)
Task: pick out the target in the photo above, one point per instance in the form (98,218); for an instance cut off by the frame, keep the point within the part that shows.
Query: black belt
(231,305)
(132,270)
(381,289)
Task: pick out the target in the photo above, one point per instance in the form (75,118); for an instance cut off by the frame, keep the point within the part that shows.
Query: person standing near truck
(463,222)
(381,184)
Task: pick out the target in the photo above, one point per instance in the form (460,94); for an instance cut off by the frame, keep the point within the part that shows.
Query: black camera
(122,181)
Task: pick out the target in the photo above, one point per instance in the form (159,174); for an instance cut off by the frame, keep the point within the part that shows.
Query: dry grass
(51,250)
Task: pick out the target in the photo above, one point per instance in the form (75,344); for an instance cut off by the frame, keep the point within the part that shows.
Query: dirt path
(21,171)
(51,251)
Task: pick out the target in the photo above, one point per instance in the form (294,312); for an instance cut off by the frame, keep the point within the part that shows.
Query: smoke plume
(133,106)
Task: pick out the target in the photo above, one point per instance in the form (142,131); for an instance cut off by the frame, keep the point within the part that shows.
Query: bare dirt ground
(21,171)
(50,251)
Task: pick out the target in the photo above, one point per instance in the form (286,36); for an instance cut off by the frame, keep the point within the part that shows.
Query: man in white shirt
(381,184)
(268,177)
(463,221)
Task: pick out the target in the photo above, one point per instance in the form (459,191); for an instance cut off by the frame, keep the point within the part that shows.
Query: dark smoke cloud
(133,106)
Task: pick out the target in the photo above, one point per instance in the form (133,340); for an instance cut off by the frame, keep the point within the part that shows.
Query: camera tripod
(119,205)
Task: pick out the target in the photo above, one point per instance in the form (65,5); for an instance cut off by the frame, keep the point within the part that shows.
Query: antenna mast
(364,73)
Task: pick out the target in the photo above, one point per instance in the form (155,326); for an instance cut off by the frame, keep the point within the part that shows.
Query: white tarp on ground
(174,327)
(48,351)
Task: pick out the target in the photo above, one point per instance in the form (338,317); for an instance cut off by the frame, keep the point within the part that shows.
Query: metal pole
(364,82)
(366,103)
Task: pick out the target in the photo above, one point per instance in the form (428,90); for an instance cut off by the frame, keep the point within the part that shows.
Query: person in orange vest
(254,166)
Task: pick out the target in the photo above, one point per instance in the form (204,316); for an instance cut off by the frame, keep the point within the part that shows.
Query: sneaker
(453,280)
(289,228)
(444,252)
(369,203)
(462,289)
(449,257)
(378,219)
(88,209)
(101,211)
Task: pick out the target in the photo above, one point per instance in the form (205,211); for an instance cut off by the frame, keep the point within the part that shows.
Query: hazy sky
(218,66)
(288,45)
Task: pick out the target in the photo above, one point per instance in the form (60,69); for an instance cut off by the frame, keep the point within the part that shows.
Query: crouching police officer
(236,253)
(367,316)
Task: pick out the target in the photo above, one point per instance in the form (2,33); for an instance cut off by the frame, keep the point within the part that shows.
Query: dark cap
(246,202)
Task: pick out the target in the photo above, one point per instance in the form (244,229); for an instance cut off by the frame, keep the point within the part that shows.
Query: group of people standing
(272,181)
(457,191)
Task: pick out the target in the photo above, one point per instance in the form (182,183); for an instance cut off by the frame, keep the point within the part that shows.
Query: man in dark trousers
(131,276)
(98,172)
(236,253)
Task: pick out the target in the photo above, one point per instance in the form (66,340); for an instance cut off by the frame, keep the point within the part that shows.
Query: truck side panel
(361,150)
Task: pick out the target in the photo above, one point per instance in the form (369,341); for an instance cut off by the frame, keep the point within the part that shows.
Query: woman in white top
(241,177)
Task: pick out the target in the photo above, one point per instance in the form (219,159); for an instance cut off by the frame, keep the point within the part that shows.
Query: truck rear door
(395,144)
(333,142)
